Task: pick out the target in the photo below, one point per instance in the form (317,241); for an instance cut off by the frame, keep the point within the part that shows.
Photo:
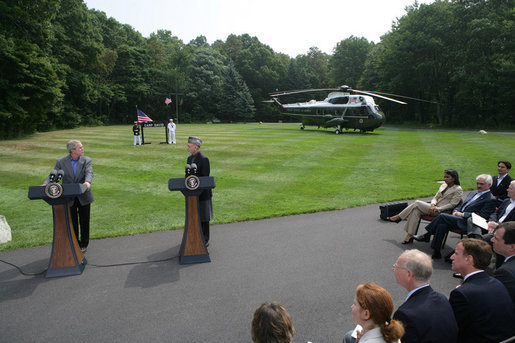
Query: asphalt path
(134,289)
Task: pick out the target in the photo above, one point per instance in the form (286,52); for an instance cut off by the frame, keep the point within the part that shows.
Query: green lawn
(261,170)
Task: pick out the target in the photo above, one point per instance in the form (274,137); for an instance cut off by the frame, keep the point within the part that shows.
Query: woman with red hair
(372,309)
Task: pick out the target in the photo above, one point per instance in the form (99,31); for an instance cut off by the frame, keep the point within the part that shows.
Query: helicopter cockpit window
(341,100)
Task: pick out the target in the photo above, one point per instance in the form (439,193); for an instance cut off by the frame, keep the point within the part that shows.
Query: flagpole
(140,125)
(177,101)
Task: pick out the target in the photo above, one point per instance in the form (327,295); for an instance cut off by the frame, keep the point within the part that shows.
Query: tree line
(63,65)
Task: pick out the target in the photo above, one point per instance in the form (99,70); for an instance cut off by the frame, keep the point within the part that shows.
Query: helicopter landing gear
(302,127)
(338,130)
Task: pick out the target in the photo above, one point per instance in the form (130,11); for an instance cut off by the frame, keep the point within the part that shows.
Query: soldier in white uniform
(171,132)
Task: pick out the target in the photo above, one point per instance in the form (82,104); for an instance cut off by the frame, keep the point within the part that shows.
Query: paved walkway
(310,263)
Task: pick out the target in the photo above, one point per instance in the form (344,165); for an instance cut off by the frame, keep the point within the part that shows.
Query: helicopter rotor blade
(303,91)
(405,97)
(380,96)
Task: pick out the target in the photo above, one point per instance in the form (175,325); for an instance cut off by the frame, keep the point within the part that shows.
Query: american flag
(142,117)
(168,100)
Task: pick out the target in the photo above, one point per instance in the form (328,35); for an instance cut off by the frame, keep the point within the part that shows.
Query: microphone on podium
(52,176)
(194,168)
(188,169)
(60,175)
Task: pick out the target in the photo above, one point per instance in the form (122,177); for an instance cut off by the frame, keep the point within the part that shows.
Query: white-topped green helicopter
(340,109)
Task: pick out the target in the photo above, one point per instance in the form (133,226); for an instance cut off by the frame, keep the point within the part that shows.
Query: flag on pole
(168,100)
(181,101)
(142,117)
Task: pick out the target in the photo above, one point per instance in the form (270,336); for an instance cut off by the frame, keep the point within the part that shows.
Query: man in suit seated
(426,314)
(479,202)
(504,244)
(501,182)
(482,306)
(504,213)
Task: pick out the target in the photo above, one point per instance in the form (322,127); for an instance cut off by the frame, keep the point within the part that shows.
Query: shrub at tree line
(63,65)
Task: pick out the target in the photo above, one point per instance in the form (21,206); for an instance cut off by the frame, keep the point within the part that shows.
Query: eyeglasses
(395,266)
(480,183)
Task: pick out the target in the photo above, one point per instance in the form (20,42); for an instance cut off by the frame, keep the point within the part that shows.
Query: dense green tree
(484,80)
(262,69)
(206,83)
(236,103)
(311,70)
(348,61)
(29,81)
(77,44)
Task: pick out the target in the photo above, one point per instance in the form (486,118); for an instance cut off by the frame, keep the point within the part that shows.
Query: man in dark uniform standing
(135,130)
(203,169)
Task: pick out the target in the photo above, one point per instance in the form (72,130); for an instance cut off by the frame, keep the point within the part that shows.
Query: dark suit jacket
(84,173)
(506,274)
(483,310)
(428,318)
(500,212)
(483,206)
(501,191)
(203,169)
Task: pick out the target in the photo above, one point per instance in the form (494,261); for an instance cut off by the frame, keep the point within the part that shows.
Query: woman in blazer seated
(448,197)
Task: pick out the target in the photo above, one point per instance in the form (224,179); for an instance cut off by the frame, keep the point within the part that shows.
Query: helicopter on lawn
(340,109)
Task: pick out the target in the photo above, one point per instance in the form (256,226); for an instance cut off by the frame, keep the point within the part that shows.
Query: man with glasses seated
(480,202)
(426,314)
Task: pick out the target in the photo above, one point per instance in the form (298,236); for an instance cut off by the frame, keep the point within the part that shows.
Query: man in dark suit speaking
(203,169)
(77,169)
(426,314)
(482,306)
(479,202)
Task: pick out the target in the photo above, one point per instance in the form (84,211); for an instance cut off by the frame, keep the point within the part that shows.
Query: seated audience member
(448,197)
(372,309)
(501,182)
(504,244)
(272,323)
(504,213)
(482,306)
(426,314)
(479,202)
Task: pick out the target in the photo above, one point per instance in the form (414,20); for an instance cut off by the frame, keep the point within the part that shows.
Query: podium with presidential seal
(193,249)
(66,257)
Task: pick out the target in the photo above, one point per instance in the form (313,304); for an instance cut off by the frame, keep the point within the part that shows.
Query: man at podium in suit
(203,169)
(77,169)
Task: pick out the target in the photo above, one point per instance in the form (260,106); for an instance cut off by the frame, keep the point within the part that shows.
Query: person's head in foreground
(471,255)
(272,324)
(372,308)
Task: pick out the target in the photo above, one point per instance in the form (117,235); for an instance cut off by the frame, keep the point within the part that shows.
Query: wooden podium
(66,257)
(193,248)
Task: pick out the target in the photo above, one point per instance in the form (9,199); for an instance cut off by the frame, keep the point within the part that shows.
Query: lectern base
(66,271)
(194,259)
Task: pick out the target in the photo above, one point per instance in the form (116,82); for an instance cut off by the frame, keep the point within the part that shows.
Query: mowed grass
(261,170)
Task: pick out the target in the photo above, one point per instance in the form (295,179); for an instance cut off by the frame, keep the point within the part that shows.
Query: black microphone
(60,175)
(52,176)
(194,168)
(188,169)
